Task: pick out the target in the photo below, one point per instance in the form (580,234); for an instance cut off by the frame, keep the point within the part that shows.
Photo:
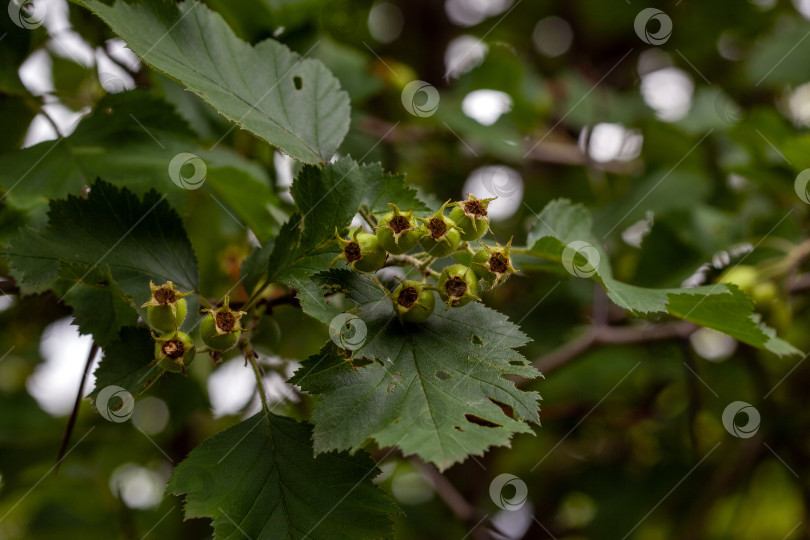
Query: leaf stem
(368,216)
(259,384)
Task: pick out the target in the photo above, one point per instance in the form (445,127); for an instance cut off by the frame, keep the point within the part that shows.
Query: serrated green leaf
(127,362)
(730,313)
(100,308)
(136,240)
(293,103)
(327,198)
(261,481)
(438,390)
(719,307)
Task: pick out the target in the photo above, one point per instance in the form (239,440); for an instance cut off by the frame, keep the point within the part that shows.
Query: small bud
(493,265)
(363,252)
(166,309)
(397,232)
(458,285)
(174,351)
(220,329)
(413,301)
(440,237)
(471,217)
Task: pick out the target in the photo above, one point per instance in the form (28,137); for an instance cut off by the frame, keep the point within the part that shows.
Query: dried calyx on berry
(363,252)
(458,285)
(221,328)
(440,237)
(493,265)
(398,233)
(471,217)
(166,309)
(174,351)
(413,301)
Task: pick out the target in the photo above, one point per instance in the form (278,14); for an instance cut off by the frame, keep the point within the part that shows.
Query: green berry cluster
(174,350)
(397,233)
(166,310)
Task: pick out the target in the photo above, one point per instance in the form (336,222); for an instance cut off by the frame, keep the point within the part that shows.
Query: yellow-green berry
(166,309)
(221,327)
(174,351)
(413,301)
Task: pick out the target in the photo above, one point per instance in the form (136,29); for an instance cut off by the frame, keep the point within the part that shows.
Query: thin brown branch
(612,335)
(75,412)
(8,286)
(454,500)
(555,152)
(448,492)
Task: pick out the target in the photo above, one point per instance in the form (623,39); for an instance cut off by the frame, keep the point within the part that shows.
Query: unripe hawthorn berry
(363,252)
(220,329)
(166,309)
(458,285)
(493,265)
(174,351)
(413,301)
(441,236)
(471,217)
(397,232)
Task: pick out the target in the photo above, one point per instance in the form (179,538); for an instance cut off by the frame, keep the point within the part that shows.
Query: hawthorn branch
(8,286)
(454,500)
(76,404)
(595,336)
(409,260)
(558,153)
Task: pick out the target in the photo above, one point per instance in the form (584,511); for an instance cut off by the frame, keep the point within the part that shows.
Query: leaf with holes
(440,389)
(563,235)
(293,103)
(262,481)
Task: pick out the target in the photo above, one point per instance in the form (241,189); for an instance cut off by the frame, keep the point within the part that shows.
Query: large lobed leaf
(293,103)
(105,248)
(260,480)
(721,307)
(439,390)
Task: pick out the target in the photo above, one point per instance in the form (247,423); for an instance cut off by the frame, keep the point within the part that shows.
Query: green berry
(413,301)
(220,329)
(440,235)
(363,252)
(174,351)
(397,232)
(166,309)
(493,265)
(471,217)
(458,285)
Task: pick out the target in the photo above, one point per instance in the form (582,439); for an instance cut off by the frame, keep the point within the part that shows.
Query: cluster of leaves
(441,389)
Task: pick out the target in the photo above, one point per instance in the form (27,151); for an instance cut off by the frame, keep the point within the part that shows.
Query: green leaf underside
(438,390)
(293,103)
(127,363)
(328,197)
(719,307)
(265,483)
(111,232)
